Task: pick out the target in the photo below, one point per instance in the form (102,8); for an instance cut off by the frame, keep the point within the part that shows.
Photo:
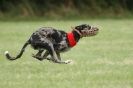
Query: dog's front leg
(56,57)
(45,55)
(59,57)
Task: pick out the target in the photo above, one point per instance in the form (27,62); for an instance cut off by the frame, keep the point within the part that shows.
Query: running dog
(50,41)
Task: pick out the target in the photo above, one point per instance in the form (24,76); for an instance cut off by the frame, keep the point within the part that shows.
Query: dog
(50,41)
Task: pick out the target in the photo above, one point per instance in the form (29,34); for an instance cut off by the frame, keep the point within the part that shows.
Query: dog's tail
(19,55)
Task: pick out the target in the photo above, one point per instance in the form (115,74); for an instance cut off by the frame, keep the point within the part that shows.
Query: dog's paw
(68,61)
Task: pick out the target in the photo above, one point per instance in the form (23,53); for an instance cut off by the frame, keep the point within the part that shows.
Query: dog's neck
(73,37)
(76,36)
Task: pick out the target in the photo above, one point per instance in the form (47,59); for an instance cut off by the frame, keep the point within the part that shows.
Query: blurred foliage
(65,8)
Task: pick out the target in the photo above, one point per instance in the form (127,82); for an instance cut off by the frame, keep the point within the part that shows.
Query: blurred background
(65,9)
(102,61)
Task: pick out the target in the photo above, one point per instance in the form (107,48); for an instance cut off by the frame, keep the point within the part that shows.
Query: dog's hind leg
(45,55)
(38,55)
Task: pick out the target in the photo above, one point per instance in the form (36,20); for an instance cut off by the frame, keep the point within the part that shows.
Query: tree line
(57,8)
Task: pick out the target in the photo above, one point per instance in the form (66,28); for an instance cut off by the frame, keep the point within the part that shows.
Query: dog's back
(48,35)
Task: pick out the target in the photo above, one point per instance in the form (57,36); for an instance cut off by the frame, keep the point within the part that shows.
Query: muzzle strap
(78,32)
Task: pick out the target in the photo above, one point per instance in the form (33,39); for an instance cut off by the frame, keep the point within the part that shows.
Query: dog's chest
(62,46)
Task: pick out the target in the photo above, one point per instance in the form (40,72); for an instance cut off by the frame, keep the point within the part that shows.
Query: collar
(77,32)
(71,39)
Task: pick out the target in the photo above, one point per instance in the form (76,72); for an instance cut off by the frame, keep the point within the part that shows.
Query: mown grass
(103,61)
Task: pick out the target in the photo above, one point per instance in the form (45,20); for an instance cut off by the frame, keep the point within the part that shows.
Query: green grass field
(103,61)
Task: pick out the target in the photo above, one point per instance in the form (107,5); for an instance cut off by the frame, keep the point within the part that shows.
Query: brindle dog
(53,42)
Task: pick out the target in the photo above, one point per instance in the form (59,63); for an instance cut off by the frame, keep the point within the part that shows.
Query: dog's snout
(96,29)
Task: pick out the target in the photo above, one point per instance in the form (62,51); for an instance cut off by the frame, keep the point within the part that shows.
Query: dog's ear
(78,27)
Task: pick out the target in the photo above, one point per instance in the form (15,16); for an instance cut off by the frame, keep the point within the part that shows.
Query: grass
(103,61)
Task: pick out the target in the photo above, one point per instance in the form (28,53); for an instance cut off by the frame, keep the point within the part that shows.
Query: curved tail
(19,55)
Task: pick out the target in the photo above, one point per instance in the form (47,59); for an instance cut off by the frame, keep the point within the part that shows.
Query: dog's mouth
(90,32)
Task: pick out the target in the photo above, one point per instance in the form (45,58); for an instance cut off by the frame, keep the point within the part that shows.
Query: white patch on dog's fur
(69,62)
(72,62)
(6,52)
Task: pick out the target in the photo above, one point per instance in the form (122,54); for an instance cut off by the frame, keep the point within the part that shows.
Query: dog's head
(85,30)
